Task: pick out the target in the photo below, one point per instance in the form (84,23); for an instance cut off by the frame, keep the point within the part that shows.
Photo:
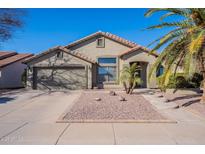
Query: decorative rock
(160,95)
(121,98)
(151,93)
(97,99)
(112,93)
(167,100)
(176,107)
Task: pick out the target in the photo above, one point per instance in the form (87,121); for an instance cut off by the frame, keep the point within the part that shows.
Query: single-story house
(93,61)
(11,69)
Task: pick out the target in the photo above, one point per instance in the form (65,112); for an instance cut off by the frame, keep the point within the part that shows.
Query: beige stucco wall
(111,49)
(51,60)
(114,49)
(141,56)
(89,48)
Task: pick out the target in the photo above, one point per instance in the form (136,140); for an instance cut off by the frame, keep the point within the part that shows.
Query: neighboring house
(93,61)
(11,69)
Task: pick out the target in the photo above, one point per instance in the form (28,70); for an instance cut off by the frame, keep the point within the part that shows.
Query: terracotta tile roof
(137,48)
(13,59)
(41,54)
(78,55)
(5,54)
(28,58)
(116,38)
(107,35)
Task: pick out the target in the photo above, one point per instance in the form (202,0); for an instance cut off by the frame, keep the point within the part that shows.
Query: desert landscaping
(112,108)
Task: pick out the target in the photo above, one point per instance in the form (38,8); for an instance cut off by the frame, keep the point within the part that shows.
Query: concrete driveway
(29,117)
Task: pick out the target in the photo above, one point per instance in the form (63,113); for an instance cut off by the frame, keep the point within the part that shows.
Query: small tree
(129,78)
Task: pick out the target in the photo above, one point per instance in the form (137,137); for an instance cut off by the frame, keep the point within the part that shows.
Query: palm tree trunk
(125,86)
(128,90)
(202,62)
(203,96)
(131,90)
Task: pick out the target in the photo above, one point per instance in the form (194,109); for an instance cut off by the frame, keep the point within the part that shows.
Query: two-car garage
(70,71)
(69,77)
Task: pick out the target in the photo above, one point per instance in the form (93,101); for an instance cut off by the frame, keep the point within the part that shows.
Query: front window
(107,70)
(107,73)
(107,60)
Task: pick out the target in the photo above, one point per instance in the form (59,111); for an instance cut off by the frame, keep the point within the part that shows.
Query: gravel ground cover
(189,101)
(110,108)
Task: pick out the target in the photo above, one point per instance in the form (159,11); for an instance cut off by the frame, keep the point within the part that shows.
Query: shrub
(23,78)
(179,81)
(162,87)
(196,80)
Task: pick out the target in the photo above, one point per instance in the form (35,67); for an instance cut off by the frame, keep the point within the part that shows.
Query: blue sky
(46,28)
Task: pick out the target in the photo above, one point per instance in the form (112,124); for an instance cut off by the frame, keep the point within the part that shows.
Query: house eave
(80,56)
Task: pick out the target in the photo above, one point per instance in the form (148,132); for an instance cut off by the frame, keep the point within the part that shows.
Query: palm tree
(130,78)
(184,44)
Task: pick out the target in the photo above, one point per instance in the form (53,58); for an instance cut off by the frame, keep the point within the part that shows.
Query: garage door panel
(69,78)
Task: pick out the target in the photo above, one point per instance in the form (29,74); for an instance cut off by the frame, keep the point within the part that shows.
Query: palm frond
(166,35)
(185,43)
(182,24)
(168,57)
(159,60)
(202,13)
(188,65)
(177,11)
(167,38)
(197,42)
(167,15)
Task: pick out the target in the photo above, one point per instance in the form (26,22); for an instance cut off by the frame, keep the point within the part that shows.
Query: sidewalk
(35,123)
(189,129)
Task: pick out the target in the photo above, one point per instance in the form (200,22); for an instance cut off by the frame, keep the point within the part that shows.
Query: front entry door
(142,73)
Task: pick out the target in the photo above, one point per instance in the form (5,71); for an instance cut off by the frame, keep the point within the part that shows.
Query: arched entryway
(142,72)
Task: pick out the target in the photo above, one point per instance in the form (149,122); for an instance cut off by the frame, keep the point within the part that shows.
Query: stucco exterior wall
(114,49)
(50,60)
(11,75)
(141,56)
(90,48)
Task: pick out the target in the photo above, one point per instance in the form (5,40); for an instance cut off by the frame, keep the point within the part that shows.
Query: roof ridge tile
(105,34)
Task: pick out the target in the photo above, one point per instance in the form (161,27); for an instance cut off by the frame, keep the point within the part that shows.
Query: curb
(115,121)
